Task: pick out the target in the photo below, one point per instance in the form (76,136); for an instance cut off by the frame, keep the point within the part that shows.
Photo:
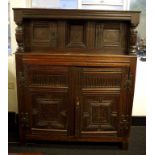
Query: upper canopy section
(21,13)
(86,31)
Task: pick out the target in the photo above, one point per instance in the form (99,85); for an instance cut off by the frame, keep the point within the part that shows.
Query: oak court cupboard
(75,74)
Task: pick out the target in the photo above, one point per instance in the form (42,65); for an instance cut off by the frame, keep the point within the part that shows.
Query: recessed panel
(44,34)
(112,37)
(99,112)
(49,110)
(109,35)
(76,35)
(41,33)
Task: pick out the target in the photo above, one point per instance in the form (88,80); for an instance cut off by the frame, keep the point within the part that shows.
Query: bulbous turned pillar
(19,37)
(133,40)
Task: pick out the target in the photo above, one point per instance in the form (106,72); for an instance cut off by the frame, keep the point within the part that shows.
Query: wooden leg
(22,139)
(124,145)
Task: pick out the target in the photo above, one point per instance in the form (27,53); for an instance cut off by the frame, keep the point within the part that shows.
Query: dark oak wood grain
(34,153)
(75,74)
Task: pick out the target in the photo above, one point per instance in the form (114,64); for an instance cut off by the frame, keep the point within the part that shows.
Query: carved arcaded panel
(102,78)
(46,76)
(101,81)
(76,35)
(41,79)
(99,113)
(49,111)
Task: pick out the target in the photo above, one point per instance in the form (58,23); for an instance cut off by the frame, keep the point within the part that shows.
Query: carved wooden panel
(109,35)
(49,111)
(101,78)
(44,34)
(46,76)
(100,107)
(62,34)
(99,113)
(76,34)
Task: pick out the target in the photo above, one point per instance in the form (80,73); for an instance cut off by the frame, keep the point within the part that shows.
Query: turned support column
(19,37)
(132,40)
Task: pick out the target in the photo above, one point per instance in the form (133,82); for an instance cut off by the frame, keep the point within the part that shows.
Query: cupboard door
(47,101)
(48,112)
(101,97)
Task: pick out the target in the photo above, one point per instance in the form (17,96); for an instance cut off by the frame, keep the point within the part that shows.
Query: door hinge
(24,119)
(21,79)
(128,83)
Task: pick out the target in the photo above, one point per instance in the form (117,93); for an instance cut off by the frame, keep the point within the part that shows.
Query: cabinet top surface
(21,13)
(75,10)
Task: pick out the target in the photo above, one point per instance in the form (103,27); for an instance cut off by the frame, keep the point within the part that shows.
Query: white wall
(12,93)
(139,97)
(139,104)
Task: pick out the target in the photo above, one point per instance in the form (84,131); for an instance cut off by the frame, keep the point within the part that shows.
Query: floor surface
(137,146)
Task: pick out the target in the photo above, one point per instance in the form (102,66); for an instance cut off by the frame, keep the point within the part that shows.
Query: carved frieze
(45,76)
(102,78)
(101,82)
(39,79)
